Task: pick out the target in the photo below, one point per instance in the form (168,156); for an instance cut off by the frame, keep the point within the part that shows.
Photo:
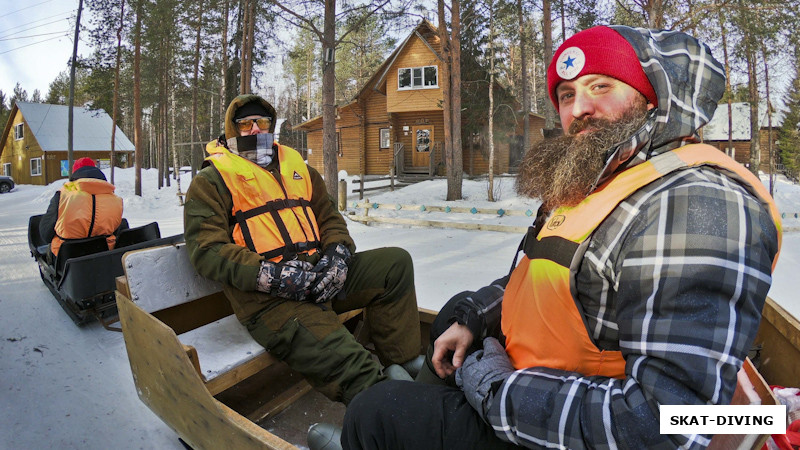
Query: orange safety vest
(273,219)
(87,207)
(541,319)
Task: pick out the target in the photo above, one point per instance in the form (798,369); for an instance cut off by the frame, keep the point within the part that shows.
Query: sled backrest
(131,236)
(75,248)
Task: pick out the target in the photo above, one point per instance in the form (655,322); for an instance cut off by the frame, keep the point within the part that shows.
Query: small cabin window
(7,169)
(18,131)
(418,77)
(384,138)
(36,166)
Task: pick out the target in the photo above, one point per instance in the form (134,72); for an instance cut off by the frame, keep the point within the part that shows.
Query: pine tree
(789,133)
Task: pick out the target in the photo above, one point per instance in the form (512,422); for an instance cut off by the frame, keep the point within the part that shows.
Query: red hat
(598,50)
(83,162)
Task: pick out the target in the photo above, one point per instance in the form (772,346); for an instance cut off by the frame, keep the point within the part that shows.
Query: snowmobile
(82,276)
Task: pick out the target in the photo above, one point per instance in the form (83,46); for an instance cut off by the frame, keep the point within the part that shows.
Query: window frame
(417,73)
(19,131)
(387,138)
(7,169)
(39,163)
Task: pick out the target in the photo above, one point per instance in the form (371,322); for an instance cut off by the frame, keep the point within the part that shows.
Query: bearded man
(641,281)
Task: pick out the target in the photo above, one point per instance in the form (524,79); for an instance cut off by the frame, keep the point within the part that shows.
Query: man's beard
(561,171)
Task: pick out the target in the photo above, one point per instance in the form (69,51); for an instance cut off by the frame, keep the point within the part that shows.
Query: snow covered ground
(71,388)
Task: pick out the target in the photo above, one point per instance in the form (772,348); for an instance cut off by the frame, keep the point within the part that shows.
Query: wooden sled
(185,346)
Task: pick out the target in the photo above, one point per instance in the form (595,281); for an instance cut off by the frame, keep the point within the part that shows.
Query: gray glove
(287,279)
(482,373)
(333,273)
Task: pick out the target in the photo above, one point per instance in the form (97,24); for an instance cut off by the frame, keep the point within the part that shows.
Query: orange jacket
(87,207)
(273,218)
(541,319)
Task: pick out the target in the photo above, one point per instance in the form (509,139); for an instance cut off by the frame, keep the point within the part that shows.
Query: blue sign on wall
(64,168)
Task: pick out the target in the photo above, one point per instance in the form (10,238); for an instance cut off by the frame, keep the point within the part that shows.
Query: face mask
(256,148)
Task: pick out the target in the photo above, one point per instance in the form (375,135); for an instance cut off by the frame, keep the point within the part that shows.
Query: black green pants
(310,338)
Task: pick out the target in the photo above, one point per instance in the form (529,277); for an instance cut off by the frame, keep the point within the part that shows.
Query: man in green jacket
(261,222)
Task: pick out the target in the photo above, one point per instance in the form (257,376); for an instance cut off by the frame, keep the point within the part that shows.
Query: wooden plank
(444,209)
(779,338)
(239,373)
(439,224)
(281,402)
(169,385)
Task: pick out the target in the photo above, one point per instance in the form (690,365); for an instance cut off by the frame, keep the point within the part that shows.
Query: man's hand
(332,268)
(456,340)
(481,372)
(289,279)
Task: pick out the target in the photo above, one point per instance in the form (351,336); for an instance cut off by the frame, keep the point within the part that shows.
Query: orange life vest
(87,207)
(541,319)
(273,218)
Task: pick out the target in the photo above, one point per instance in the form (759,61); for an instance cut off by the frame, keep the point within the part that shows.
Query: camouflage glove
(482,373)
(333,273)
(288,279)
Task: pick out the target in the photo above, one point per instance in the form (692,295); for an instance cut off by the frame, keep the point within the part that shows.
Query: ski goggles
(247,124)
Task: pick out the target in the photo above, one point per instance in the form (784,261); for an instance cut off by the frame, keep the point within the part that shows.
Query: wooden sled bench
(185,346)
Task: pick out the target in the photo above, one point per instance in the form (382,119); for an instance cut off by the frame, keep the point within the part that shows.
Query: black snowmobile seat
(79,247)
(137,235)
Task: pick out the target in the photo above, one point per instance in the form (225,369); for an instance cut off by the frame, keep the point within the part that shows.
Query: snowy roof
(91,128)
(717,128)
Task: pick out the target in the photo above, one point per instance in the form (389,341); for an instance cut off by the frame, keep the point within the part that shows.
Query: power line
(33,35)
(23,9)
(32,43)
(31,28)
(39,20)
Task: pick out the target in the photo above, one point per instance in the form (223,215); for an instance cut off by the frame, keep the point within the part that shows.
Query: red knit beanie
(598,50)
(82,162)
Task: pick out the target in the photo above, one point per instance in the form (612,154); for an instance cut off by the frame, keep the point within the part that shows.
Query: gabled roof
(717,128)
(423,30)
(91,128)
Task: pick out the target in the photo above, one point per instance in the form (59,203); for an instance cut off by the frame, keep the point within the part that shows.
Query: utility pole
(72,86)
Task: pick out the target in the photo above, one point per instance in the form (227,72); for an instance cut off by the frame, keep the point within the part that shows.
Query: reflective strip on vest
(541,319)
(273,219)
(87,207)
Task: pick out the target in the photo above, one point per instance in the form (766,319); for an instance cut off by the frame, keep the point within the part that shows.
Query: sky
(36,42)
(68,387)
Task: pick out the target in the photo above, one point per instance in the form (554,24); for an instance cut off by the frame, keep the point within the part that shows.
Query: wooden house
(715,133)
(33,146)
(396,120)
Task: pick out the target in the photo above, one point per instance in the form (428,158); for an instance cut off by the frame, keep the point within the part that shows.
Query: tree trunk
(223,89)
(456,174)
(329,155)
(724,35)
(196,150)
(547,31)
(769,116)
(447,88)
(137,100)
(490,137)
(755,144)
(248,33)
(116,89)
(526,100)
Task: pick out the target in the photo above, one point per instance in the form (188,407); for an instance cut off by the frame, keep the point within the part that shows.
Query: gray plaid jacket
(675,278)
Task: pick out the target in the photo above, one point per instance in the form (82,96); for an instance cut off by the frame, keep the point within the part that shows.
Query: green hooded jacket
(208,225)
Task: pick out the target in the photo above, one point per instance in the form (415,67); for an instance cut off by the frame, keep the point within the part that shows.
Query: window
(18,131)
(384,137)
(36,166)
(418,77)
(7,169)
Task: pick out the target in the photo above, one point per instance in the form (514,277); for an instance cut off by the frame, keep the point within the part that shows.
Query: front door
(421,145)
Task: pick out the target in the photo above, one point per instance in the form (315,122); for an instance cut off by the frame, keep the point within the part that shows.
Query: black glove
(287,279)
(482,372)
(333,273)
